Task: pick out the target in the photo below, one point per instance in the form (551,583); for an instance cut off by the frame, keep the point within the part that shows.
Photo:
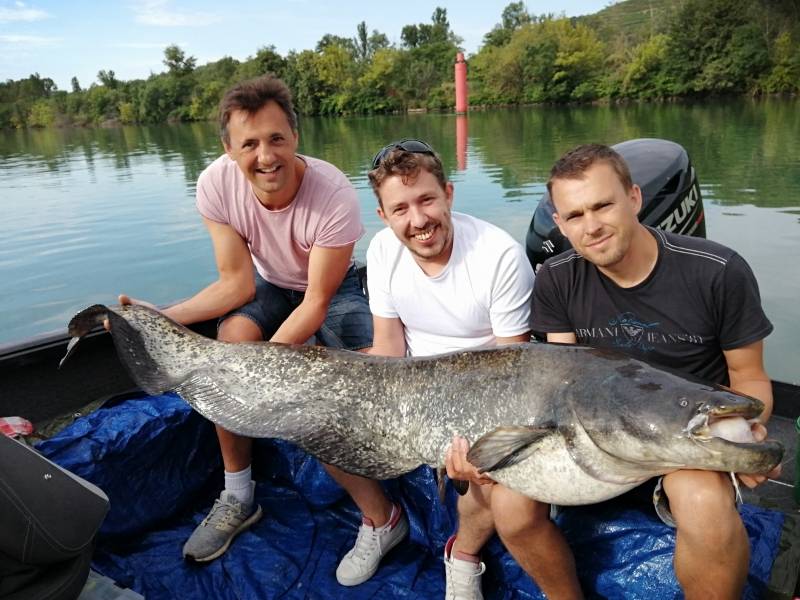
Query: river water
(89,213)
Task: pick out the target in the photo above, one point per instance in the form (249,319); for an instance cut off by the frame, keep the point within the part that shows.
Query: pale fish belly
(550,475)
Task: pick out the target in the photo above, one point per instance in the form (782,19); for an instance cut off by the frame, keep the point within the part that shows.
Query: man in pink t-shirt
(283,227)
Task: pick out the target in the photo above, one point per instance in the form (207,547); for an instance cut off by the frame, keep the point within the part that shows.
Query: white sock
(239,484)
(388,525)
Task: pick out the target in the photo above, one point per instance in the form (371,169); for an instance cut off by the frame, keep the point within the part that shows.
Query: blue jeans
(348,323)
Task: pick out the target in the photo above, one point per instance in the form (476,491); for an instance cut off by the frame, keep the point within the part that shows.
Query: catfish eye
(684,402)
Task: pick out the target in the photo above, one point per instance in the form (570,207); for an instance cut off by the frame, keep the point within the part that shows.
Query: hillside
(636,20)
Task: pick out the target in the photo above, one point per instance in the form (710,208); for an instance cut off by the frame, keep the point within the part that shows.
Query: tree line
(688,48)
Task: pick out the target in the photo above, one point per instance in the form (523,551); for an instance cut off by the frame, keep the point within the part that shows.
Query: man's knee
(238,328)
(702,498)
(476,501)
(517,515)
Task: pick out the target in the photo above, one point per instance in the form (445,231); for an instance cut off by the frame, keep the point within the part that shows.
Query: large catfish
(559,423)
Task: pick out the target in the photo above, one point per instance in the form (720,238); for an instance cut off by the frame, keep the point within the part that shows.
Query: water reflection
(90,212)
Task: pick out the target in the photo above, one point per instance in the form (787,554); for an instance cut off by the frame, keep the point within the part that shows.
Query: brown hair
(407,165)
(575,163)
(250,96)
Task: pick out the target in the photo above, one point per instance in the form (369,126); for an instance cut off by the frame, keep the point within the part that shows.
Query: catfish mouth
(699,426)
(732,443)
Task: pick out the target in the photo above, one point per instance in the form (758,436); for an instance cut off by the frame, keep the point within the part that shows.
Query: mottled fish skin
(560,423)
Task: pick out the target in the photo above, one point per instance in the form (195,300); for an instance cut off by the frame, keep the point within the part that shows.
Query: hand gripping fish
(559,423)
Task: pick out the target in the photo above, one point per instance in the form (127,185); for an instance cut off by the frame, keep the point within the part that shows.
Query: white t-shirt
(483,293)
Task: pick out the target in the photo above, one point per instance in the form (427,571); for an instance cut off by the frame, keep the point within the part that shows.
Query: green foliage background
(635,49)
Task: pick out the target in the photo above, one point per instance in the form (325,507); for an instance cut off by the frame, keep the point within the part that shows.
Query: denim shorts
(347,325)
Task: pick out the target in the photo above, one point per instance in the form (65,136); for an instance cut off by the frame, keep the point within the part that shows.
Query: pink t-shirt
(325,212)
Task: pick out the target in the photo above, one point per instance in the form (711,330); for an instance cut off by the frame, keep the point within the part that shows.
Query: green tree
(41,114)
(410,36)
(716,46)
(101,103)
(269,61)
(127,113)
(377,86)
(302,78)
(785,74)
(646,75)
(108,78)
(177,62)
(336,40)
(514,16)
(160,100)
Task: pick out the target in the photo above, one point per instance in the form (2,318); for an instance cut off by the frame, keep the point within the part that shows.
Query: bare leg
(236,450)
(475,521)
(366,493)
(536,543)
(712,551)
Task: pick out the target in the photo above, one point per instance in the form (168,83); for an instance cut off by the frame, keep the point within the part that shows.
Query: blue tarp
(159,463)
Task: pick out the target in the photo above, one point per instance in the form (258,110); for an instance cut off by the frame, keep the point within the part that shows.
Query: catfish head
(662,420)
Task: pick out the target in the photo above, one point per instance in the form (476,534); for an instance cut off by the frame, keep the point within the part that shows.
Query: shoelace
(462,585)
(222,520)
(366,542)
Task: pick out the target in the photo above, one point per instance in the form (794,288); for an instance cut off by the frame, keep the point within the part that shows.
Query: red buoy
(462,102)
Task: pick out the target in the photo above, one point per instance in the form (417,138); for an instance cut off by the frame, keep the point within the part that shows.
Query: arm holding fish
(233,288)
(388,337)
(327,268)
(510,317)
(742,328)
(562,338)
(459,468)
(747,376)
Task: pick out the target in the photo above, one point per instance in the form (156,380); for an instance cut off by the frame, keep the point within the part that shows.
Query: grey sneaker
(371,545)
(462,578)
(227,518)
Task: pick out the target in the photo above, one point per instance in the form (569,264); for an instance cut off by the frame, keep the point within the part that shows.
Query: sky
(65,38)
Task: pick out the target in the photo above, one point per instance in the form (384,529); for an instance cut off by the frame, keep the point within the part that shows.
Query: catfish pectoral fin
(81,324)
(459,485)
(504,446)
(441,483)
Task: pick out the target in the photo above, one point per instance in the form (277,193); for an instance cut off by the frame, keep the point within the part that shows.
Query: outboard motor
(670,197)
(48,521)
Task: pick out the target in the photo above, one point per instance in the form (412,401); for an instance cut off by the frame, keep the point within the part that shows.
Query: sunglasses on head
(413,146)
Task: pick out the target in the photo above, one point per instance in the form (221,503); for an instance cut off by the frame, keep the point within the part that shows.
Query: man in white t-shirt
(439,282)
(283,227)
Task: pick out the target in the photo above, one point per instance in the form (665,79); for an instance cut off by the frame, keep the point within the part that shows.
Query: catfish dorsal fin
(504,446)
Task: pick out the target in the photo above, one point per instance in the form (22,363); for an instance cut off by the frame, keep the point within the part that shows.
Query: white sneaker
(462,577)
(371,545)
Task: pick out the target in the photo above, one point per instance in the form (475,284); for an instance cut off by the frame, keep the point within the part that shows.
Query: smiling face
(263,144)
(418,212)
(598,215)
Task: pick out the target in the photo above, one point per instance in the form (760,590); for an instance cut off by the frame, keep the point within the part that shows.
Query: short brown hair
(575,163)
(250,96)
(407,165)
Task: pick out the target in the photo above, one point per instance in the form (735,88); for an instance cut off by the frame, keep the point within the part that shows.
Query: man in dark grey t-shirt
(686,303)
